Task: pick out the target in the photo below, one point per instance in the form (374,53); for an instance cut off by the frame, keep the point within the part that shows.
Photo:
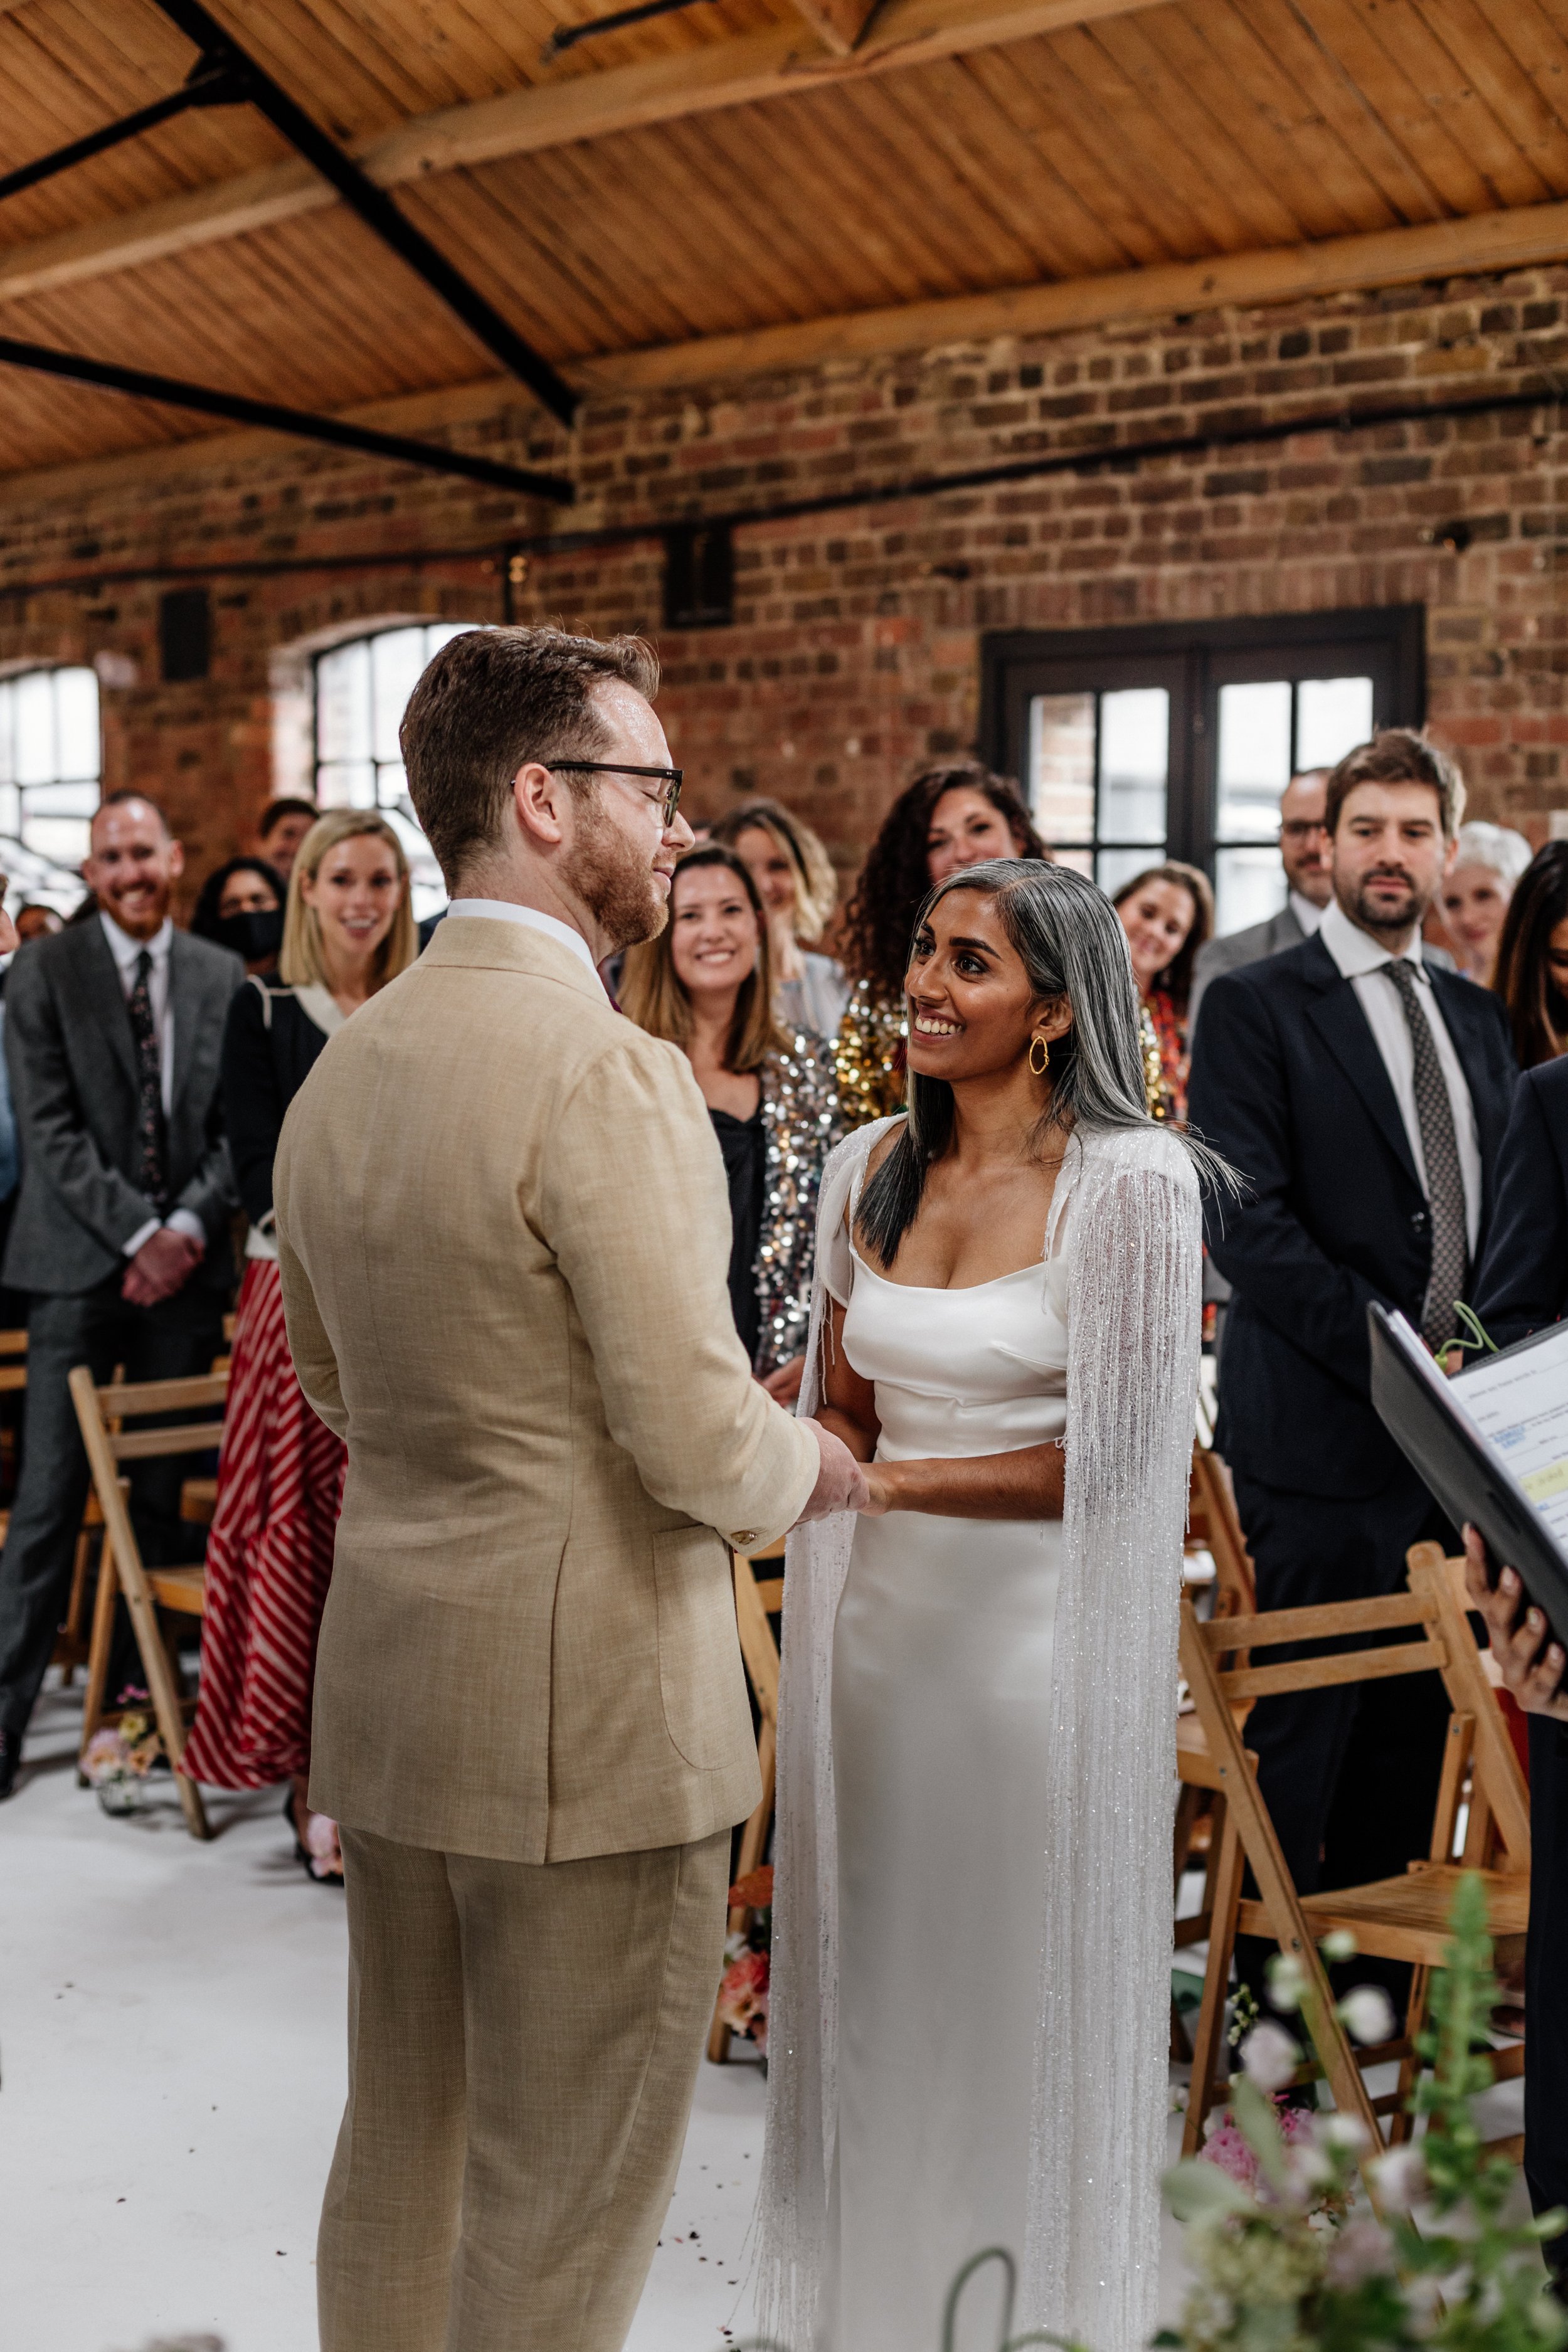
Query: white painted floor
(171,2075)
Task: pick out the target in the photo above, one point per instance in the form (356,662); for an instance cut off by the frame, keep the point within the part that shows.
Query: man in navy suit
(1362,1094)
(1523,1285)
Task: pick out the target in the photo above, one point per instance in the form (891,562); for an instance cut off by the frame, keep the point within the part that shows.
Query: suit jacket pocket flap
(701,1676)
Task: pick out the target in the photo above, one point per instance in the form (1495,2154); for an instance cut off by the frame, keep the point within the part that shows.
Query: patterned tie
(152,1130)
(1445,1184)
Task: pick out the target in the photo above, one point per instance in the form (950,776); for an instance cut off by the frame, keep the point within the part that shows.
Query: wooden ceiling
(734,172)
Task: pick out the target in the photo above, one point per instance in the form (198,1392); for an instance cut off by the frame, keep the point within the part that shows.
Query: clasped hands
(842,1483)
(1529,1657)
(164,1264)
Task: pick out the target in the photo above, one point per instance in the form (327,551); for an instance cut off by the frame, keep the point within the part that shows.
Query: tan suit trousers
(523,2046)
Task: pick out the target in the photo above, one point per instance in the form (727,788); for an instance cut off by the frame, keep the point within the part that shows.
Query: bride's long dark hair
(1071,943)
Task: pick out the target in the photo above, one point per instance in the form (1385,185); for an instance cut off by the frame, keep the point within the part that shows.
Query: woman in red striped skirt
(347,930)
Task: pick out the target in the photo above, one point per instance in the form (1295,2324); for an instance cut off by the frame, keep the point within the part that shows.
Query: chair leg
(100,1645)
(1202,2095)
(1401,2125)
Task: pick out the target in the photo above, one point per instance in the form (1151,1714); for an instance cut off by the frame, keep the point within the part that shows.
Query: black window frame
(1193,659)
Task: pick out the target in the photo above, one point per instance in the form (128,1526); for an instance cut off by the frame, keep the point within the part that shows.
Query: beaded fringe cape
(1092,2260)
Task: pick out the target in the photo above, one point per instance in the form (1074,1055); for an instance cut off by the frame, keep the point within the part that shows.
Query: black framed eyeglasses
(671,779)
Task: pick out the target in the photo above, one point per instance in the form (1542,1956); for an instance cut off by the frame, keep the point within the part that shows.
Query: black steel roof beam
(235,409)
(377,209)
(208,85)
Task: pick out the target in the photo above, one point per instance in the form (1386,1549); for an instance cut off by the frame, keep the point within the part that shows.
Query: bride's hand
(880,1491)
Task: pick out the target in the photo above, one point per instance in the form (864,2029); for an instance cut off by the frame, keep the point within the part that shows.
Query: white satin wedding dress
(971,1913)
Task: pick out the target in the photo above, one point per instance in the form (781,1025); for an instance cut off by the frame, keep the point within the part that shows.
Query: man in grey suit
(1304,854)
(114,1028)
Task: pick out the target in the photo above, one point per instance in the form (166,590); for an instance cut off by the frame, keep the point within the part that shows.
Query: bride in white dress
(973,1899)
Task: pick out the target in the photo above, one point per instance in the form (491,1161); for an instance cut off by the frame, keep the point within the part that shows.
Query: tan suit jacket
(504,1236)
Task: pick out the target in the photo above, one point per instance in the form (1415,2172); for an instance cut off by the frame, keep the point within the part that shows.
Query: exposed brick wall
(854,648)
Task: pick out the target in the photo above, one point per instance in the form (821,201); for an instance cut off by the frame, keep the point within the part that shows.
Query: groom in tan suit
(504,1236)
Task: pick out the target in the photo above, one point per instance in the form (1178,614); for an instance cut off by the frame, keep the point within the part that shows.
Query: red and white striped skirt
(269,1559)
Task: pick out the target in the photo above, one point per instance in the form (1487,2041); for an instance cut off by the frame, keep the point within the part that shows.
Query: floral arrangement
(1281,2259)
(744,1990)
(119,1756)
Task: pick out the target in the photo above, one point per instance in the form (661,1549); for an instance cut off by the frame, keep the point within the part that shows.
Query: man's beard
(611,879)
(1406,915)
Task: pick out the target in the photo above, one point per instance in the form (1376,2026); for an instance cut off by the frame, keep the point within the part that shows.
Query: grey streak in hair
(1071,943)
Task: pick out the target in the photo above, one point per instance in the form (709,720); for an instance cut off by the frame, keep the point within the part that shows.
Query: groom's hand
(841,1480)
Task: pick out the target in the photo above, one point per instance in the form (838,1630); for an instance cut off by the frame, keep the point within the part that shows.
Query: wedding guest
(113,1029)
(951,815)
(1488,862)
(798,889)
(36,922)
(1304,854)
(283,827)
(1533,958)
(1363,1093)
(348,929)
(1167,913)
(240,907)
(705,984)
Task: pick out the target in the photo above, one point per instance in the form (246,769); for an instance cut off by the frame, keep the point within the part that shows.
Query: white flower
(1270,2056)
(1362,2250)
(1347,2132)
(1368,2014)
(1399,2177)
(1338,1945)
(1287,1981)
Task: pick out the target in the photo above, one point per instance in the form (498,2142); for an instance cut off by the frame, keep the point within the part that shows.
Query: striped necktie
(152,1128)
(1440,1150)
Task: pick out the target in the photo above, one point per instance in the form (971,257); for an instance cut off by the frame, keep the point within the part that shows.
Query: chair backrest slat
(1342,1666)
(1326,1622)
(126,1399)
(154,1445)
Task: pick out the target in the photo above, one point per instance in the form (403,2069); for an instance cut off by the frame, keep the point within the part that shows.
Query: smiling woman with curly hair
(952,815)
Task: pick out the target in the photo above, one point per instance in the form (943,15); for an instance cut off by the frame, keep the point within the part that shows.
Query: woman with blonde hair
(706,985)
(799,890)
(348,929)
(1489,860)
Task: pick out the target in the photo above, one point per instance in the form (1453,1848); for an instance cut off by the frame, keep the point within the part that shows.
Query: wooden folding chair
(756,1599)
(179,1591)
(1403,1918)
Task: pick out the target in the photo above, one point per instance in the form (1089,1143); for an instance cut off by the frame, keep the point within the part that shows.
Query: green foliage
(1282,2260)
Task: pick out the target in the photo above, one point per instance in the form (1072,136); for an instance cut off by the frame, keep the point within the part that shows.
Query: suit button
(744,1538)
(1418,1221)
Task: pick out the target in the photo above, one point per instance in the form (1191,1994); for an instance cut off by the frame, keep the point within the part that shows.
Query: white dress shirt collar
(1355,951)
(125,950)
(505,910)
(1309,915)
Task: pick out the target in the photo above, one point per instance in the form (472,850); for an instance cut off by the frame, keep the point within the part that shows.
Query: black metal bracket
(211,81)
(375,207)
(172,392)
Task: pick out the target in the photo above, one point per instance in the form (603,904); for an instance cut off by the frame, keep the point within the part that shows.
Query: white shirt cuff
(186,1221)
(143,1234)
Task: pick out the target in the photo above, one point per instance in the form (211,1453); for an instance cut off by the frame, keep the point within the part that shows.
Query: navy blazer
(1524,1280)
(1287,1083)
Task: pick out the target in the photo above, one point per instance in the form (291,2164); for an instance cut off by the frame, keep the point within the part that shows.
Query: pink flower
(108,1756)
(1227,2147)
(1360,2251)
(743,1997)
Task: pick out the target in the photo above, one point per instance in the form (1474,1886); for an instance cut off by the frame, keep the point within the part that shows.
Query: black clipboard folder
(1461,1470)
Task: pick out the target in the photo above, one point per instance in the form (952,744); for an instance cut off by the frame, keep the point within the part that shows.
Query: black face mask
(257,935)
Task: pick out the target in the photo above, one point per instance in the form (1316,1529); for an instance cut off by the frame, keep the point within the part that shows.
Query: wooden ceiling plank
(343,81)
(466,209)
(1172,191)
(1300,169)
(1481,93)
(1540,55)
(1482,244)
(743,214)
(1369,53)
(1303,54)
(1022,80)
(605,219)
(1502,51)
(1292,124)
(1002,169)
(255,200)
(895,154)
(838,24)
(979,189)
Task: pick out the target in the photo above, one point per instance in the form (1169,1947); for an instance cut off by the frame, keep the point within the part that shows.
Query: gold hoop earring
(1043,1064)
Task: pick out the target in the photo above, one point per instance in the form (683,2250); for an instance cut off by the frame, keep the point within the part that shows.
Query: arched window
(50,765)
(362,692)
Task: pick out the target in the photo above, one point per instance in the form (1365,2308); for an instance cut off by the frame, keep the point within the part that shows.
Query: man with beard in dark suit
(1362,1095)
(121,1235)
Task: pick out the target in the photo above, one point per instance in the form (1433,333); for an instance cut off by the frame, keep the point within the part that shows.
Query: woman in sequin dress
(952,815)
(706,983)
(1167,913)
